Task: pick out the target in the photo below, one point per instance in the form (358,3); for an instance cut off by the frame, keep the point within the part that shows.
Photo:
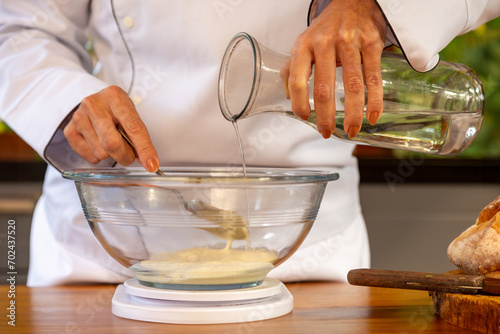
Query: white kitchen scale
(268,300)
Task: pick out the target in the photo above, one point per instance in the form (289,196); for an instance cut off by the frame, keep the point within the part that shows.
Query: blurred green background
(479,50)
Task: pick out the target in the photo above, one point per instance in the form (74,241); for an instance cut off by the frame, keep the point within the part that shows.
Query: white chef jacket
(166,55)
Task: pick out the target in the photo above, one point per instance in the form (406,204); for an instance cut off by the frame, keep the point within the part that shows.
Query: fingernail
(326,133)
(373,118)
(305,118)
(152,165)
(352,131)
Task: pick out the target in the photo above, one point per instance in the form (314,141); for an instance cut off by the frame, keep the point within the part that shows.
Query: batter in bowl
(203,265)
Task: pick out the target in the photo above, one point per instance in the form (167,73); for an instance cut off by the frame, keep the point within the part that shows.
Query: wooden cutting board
(476,312)
(466,301)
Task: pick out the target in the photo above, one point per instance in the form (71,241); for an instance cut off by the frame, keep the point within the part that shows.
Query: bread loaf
(477,249)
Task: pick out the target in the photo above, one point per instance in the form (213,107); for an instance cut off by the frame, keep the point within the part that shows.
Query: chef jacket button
(136,99)
(128,22)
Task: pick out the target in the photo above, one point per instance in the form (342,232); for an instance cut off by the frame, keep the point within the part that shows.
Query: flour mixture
(203,265)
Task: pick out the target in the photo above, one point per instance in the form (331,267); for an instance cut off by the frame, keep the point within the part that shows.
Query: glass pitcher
(438,112)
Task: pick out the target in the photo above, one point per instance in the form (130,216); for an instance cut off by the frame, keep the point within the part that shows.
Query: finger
(373,82)
(114,144)
(86,131)
(127,117)
(300,72)
(98,109)
(138,134)
(324,90)
(354,90)
(285,74)
(79,144)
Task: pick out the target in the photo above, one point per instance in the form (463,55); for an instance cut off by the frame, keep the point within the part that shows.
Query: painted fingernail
(373,118)
(152,165)
(326,133)
(305,118)
(352,131)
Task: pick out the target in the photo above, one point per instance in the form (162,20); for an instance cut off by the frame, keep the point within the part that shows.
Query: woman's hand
(92,131)
(347,33)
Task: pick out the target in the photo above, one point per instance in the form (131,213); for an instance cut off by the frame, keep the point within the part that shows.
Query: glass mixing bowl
(200,228)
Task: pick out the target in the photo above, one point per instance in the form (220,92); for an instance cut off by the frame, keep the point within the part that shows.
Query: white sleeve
(422,28)
(45,71)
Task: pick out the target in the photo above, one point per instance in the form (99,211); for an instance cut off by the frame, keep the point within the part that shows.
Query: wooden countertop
(320,307)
